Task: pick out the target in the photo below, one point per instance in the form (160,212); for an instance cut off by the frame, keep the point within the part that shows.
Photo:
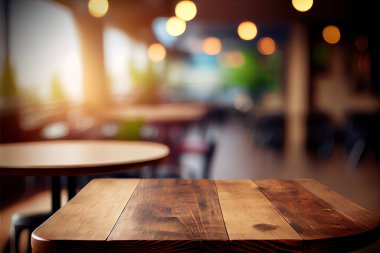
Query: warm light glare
(212,46)
(156,52)
(175,26)
(266,46)
(52,42)
(331,34)
(302,5)
(247,30)
(98,8)
(186,10)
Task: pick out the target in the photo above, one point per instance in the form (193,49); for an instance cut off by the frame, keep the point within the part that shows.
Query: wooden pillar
(95,84)
(297,83)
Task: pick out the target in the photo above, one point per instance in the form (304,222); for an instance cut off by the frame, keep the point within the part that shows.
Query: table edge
(370,235)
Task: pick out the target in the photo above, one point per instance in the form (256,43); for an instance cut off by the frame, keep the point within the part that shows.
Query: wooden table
(169,121)
(75,158)
(178,215)
(156,113)
(70,158)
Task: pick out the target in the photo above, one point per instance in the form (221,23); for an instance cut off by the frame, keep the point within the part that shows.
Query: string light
(212,46)
(302,5)
(186,10)
(331,34)
(175,26)
(98,8)
(156,52)
(266,46)
(247,30)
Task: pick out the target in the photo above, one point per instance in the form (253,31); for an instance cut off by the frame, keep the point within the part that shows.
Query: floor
(360,184)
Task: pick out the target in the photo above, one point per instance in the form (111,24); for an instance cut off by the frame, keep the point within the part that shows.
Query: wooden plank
(352,211)
(185,212)
(310,216)
(91,214)
(248,214)
(252,222)
(369,224)
(168,215)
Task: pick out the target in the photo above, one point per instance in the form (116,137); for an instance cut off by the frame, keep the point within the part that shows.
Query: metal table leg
(71,186)
(55,193)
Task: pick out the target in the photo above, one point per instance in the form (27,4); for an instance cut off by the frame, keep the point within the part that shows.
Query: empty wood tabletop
(180,215)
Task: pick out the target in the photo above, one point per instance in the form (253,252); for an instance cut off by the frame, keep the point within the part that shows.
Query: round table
(76,157)
(70,158)
(156,113)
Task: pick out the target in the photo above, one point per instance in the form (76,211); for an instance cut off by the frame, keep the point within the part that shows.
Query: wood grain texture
(185,211)
(90,215)
(170,215)
(77,157)
(309,215)
(257,219)
(322,228)
(252,222)
(354,212)
(368,223)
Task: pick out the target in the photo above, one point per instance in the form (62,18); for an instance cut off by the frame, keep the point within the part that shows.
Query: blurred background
(236,89)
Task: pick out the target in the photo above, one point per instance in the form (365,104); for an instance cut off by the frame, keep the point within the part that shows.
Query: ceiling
(136,16)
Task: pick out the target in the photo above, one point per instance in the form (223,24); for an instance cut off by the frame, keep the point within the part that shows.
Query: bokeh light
(212,46)
(331,34)
(175,26)
(156,52)
(361,43)
(98,8)
(266,46)
(247,30)
(233,59)
(302,5)
(186,10)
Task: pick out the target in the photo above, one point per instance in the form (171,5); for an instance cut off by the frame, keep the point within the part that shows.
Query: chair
(270,131)
(21,222)
(206,150)
(209,156)
(320,134)
(361,135)
(30,222)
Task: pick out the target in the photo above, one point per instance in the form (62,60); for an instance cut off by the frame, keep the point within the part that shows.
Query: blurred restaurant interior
(237,89)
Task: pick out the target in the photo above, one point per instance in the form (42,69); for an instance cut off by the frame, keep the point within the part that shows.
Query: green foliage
(258,74)
(130,130)
(56,92)
(146,83)
(320,56)
(144,77)
(8,86)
